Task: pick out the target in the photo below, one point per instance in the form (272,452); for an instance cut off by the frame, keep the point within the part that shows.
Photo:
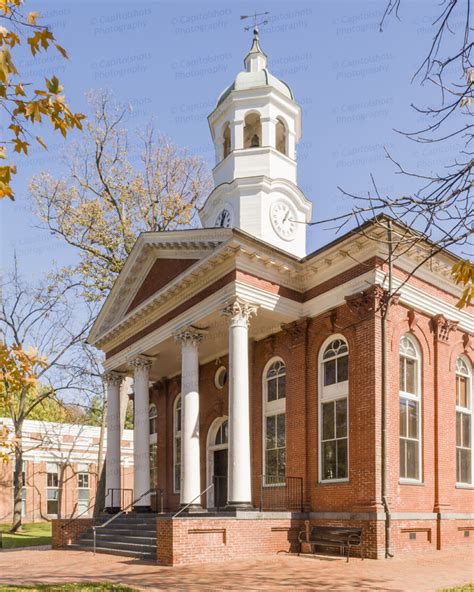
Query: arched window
(252,131)
(410,409)
(222,434)
(281,135)
(227,140)
(274,413)
(333,410)
(177,445)
(463,422)
(152,417)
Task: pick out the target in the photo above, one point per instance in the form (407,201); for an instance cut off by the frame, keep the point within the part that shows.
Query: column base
(113,510)
(193,509)
(142,509)
(240,506)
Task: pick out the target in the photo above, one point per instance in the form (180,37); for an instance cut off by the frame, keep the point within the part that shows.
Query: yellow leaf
(40,141)
(20,146)
(32,16)
(62,51)
(19,90)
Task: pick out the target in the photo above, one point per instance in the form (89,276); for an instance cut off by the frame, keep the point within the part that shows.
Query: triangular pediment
(157,260)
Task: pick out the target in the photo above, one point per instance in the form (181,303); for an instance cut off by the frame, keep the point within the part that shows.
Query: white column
(112,464)
(240,488)
(237,134)
(190,449)
(141,433)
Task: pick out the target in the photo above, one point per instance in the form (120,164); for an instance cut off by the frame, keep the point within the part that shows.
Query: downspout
(385,394)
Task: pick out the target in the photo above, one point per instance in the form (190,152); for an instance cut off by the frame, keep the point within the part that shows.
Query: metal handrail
(193,500)
(121,490)
(94,528)
(81,514)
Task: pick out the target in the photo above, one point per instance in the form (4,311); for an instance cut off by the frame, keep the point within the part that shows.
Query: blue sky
(170,61)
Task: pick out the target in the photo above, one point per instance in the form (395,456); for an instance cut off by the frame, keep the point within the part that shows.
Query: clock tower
(255,127)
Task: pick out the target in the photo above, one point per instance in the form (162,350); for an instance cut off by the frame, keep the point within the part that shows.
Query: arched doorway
(217,462)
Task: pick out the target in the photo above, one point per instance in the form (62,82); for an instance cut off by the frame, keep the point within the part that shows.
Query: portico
(235,319)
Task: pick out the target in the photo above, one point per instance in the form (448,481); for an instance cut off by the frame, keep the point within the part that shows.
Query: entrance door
(220,478)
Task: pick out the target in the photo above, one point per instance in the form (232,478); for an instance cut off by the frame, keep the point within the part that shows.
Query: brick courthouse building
(261,365)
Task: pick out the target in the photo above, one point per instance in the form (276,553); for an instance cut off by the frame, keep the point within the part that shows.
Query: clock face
(224,219)
(283,219)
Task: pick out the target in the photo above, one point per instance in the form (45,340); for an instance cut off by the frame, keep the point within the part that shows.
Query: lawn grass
(466,588)
(32,535)
(84,587)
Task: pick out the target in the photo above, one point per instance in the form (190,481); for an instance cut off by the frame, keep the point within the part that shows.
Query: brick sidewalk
(416,573)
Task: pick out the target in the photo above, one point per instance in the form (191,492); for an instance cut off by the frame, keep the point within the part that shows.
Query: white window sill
(332,481)
(410,482)
(464,486)
(266,485)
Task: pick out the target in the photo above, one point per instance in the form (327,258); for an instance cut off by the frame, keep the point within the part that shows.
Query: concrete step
(127,531)
(132,539)
(140,546)
(122,552)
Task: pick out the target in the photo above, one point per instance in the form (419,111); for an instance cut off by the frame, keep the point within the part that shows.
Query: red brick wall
(65,532)
(190,541)
(160,274)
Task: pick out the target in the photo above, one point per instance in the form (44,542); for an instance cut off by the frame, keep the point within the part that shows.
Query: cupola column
(237,131)
(292,145)
(268,131)
(190,338)
(112,465)
(239,313)
(141,434)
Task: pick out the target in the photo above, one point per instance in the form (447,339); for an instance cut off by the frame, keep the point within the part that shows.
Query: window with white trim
(153,415)
(410,409)
(177,445)
(52,483)
(463,422)
(83,489)
(274,416)
(333,411)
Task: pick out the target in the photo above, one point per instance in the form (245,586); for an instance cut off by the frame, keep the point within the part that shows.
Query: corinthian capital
(112,378)
(189,336)
(239,311)
(141,363)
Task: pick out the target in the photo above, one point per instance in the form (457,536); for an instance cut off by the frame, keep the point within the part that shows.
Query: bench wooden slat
(334,536)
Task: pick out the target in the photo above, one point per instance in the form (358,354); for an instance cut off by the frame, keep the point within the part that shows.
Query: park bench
(345,538)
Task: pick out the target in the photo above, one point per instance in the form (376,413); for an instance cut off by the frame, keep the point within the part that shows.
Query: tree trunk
(17,478)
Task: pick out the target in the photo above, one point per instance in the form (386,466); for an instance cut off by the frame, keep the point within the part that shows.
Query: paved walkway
(418,572)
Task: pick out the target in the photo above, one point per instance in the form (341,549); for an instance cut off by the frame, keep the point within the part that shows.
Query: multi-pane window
(333,411)
(463,423)
(410,404)
(336,362)
(274,423)
(334,439)
(177,445)
(52,483)
(153,419)
(153,464)
(83,489)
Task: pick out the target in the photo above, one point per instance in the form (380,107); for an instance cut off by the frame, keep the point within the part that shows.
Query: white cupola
(255,127)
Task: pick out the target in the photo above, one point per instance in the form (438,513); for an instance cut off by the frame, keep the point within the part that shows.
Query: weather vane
(255,17)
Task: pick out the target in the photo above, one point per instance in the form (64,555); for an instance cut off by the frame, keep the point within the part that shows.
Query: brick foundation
(190,541)
(66,532)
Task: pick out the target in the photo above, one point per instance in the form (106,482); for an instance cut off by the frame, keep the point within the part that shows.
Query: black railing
(281,493)
(117,497)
